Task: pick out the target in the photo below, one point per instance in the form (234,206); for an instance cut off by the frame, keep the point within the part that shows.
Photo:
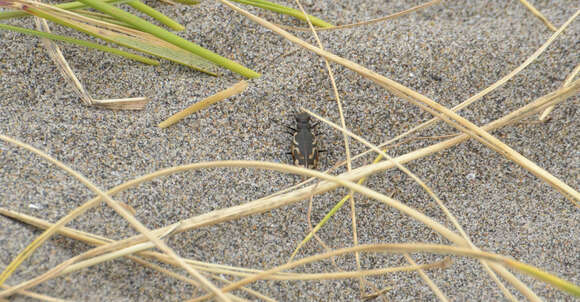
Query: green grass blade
(319,225)
(67,6)
(187,2)
(285,10)
(102,17)
(171,38)
(555,281)
(153,46)
(80,42)
(133,3)
(148,10)
(168,52)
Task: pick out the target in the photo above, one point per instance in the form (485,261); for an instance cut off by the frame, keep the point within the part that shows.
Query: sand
(447,52)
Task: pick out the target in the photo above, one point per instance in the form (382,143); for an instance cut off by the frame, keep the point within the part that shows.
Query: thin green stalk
(79,42)
(324,220)
(285,10)
(170,37)
(539,274)
(67,6)
(102,17)
(151,12)
(187,2)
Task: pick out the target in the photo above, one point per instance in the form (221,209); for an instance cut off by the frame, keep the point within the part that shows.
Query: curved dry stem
(428,105)
(426,188)
(115,205)
(35,295)
(567,81)
(394,248)
(237,88)
(438,293)
(538,14)
(345,137)
(236,212)
(97,240)
(274,201)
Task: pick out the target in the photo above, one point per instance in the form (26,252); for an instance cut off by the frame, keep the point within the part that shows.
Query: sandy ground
(447,52)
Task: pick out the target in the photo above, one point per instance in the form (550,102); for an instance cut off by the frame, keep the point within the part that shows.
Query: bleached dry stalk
(427,189)
(68,74)
(275,201)
(129,246)
(368,22)
(34,295)
(567,81)
(537,13)
(118,208)
(224,94)
(428,105)
(393,248)
(346,143)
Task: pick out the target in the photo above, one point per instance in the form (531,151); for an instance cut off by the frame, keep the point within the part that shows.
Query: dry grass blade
(368,22)
(69,75)
(34,295)
(119,209)
(56,55)
(137,103)
(260,206)
(538,14)
(346,143)
(429,105)
(395,248)
(224,94)
(93,239)
(248,290)
(569,78)
(425,187)
(491,87)
(438,293)
(275,201)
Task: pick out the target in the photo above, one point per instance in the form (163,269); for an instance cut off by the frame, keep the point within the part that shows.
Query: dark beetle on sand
(304,149)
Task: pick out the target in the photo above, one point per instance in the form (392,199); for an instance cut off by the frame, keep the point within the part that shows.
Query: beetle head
(302,118)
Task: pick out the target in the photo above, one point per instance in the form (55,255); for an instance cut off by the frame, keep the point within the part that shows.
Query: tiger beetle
(304,149)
